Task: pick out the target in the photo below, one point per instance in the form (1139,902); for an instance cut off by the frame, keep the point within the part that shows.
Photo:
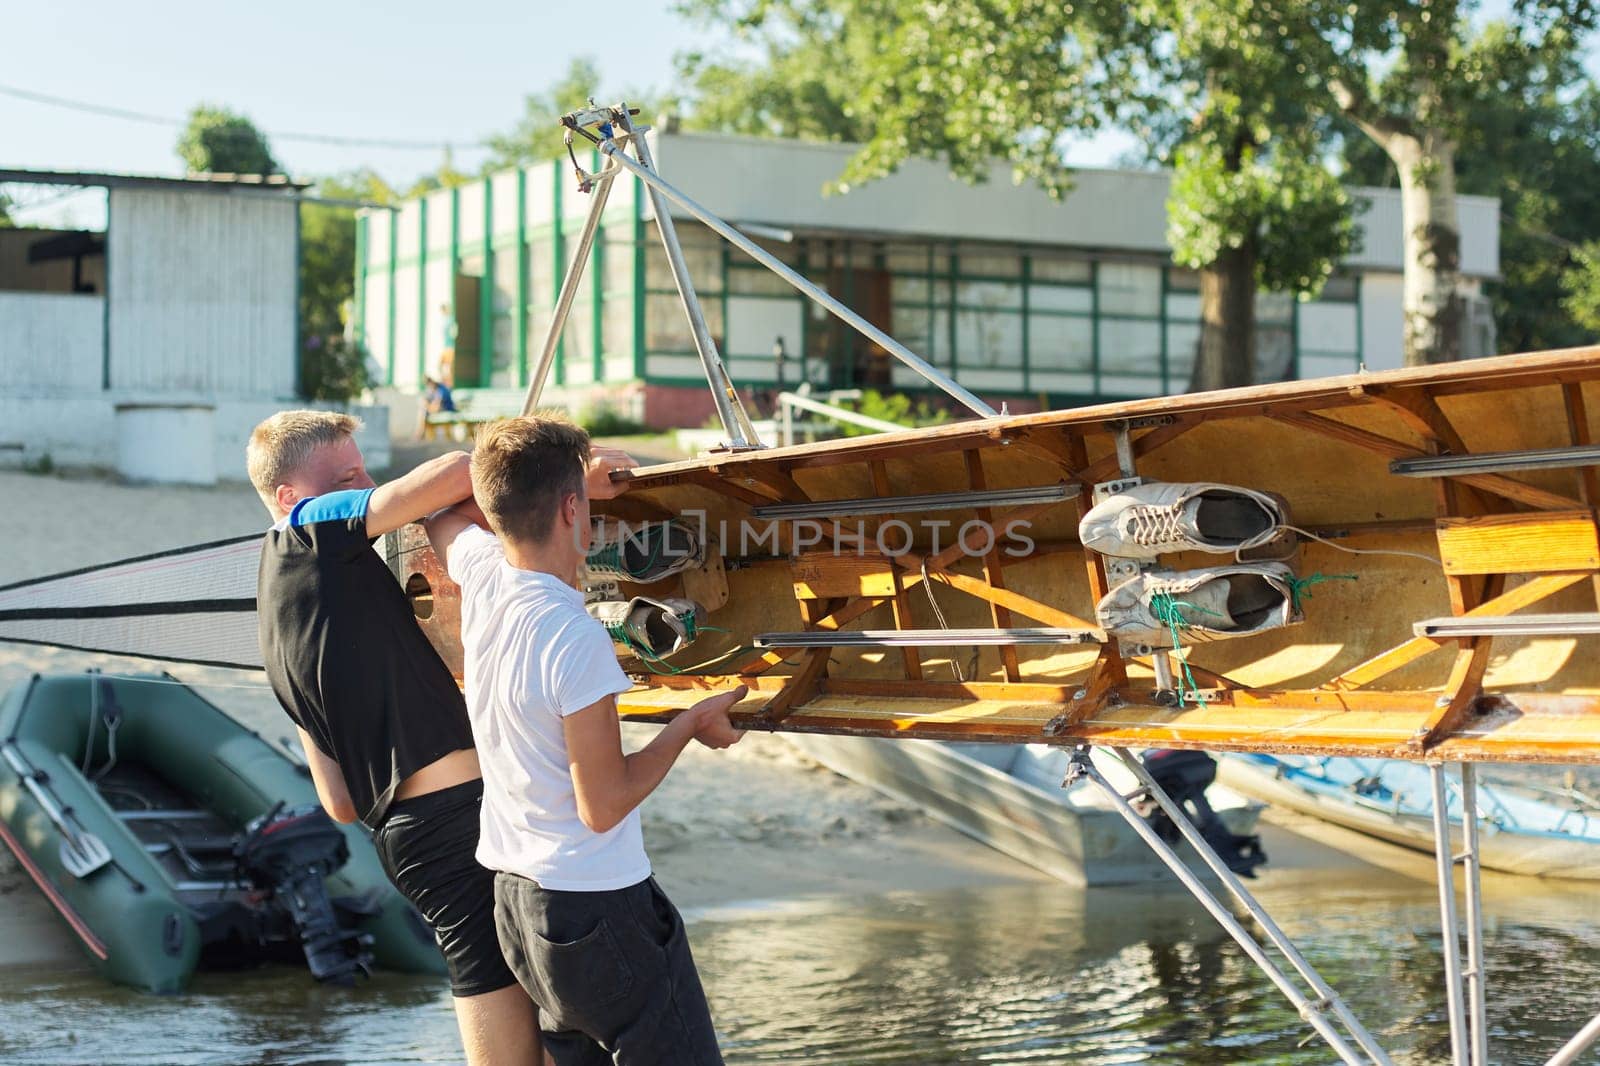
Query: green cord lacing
(657,663)
(1168,610)
(1298,586)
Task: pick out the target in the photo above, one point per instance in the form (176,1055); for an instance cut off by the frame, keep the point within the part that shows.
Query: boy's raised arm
(437,483)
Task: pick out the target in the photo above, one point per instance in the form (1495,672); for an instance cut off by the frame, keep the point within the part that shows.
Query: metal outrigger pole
(1313,1008)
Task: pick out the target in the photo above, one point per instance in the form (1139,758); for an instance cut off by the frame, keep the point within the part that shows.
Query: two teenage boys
(387,736)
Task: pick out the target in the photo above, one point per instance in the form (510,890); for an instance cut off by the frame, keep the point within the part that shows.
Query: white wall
(781,183)
(202,291)
(51,341)
(1382,321)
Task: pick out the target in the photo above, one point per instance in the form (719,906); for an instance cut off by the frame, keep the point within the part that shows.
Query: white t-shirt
(533,656)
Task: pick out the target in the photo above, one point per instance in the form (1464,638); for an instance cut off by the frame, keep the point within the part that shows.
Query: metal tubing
(772,263)
(1279,938)
(1573,1048)
(729,409)
(838,414)
(569,290)
(1477,991)
(1309,1010)
(1445,862)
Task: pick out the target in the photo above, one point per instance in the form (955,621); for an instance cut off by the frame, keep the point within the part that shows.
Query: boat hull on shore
(1392,802)
(1010,797)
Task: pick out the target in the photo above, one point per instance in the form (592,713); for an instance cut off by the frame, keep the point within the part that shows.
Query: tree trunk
(1227,355)
(1434,309)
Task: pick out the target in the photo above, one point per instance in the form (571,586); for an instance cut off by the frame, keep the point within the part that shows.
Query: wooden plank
(1523,595)
(993,571)
(820,575)
(911,658)
(1023,605)
(1495,484)
(1540,542)
(1578,433)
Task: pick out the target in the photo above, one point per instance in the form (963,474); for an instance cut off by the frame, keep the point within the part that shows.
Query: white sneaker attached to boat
(650,628)
(1213,603)
(1143,521)
(641,552)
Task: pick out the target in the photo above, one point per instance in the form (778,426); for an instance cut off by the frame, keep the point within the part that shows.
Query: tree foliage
(1529,136)
(332,367)
(536,136)
(220,141)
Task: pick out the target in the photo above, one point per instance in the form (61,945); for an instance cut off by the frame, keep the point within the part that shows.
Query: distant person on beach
(382,722)
(436,399)
(447,355)
(584,926)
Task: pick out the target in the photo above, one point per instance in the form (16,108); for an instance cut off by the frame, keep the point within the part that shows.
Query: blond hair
(282,444)
(522,470)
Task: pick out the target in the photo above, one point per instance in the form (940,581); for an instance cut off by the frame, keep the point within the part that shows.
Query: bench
(475,410)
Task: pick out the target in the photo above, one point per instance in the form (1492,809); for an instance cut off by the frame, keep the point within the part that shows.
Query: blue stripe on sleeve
(331,507)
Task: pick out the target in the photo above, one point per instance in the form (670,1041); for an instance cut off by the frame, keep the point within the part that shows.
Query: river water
(1009,974)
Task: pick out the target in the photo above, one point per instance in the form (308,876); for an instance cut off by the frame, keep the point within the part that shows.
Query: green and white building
(1021,298)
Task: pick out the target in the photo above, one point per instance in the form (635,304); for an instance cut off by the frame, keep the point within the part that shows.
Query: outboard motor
(288,853)
(1185,776)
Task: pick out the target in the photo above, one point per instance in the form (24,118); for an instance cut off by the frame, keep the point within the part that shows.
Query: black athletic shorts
(611,973)
(427,845)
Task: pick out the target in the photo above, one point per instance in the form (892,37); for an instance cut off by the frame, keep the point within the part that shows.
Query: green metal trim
(597,288)
(297,343)
(521,310)
(359,311)
(638,279)
(455,272)
(389,311)
(1027,284)
(105,302)
(422,289)
(1094,314)
(952,272)
(1361,333)
(486,291)
(558,268)
(1166,367)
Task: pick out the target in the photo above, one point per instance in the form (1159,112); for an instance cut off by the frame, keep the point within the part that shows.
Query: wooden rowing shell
(1487,540)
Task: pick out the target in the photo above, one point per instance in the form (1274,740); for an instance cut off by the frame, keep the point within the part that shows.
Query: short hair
(522,468)
(283,443)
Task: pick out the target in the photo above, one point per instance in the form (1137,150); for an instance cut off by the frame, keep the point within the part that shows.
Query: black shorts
(427,845)
(611,973)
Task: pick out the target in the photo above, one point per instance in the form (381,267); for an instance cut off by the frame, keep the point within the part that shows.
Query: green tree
(1016,79)
(332,368)
(536,136)
(1530,137)
(1582,285)
(220,141)
(6,203)
(1406,74)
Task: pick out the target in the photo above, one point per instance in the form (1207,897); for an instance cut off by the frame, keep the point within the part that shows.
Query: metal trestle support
(1313,1008)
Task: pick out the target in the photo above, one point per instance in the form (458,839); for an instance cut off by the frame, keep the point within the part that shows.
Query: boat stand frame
(613,132)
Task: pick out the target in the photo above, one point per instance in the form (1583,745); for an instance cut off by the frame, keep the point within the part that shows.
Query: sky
(416,70)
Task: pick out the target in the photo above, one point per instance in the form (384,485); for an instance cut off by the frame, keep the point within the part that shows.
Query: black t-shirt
(345,655)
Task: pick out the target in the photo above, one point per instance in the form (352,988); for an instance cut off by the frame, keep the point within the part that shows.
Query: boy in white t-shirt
(584,927)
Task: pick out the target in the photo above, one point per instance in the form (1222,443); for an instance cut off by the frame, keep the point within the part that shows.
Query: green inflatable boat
(170,837)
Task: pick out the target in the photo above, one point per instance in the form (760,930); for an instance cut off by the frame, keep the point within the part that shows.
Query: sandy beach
(746,827)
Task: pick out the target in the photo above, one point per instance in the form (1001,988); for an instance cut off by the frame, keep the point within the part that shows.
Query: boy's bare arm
(437,483)
(445,526)
(609,784)
(329,779)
